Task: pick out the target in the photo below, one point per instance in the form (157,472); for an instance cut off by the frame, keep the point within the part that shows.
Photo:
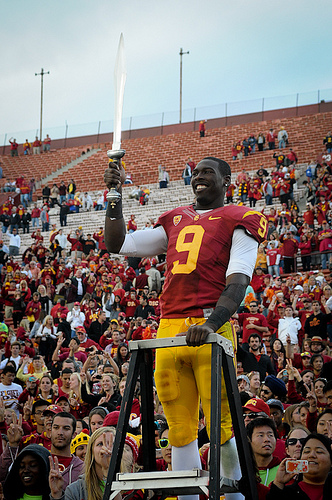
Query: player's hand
(196,334)
(114,175)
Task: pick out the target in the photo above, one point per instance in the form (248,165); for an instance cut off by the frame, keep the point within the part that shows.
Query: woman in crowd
(122,356)
(317,362)
(295,440)
(96,418)
(109,393)
(77,406)
(47,337)
(324,423)
(45,390)
(316,483)
(116,308)
(278,355)
(255,383)
(28,476)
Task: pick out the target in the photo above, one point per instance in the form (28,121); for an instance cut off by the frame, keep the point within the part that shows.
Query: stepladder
(195,481)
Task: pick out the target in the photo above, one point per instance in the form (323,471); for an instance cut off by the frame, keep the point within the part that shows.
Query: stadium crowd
(69,310)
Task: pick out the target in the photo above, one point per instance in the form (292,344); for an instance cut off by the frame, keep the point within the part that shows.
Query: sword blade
(120,76)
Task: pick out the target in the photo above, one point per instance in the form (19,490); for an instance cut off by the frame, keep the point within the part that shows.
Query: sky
(238,51)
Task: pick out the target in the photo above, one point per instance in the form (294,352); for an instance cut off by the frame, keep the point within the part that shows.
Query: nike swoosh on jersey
(214,218)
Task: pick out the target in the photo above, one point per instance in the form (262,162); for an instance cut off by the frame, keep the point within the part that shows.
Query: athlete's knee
(167,385)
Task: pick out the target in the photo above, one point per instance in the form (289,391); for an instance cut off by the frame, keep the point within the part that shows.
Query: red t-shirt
(246,319)
(314,491)
(199,245)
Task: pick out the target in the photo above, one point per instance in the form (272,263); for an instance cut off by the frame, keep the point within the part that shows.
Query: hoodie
(268,474)
(13,488)
(73,471)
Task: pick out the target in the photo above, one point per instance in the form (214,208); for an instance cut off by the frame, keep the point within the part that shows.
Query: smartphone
(297,466)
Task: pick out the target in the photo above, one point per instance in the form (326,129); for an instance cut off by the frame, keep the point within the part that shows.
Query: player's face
(208,184)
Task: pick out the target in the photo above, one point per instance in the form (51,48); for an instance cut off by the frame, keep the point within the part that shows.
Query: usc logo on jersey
(177,219)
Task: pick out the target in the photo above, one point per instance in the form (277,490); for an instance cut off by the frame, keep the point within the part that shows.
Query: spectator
(26,147)
(271,138)
(71,189)
(13,147)
(262,434)
(46,192)
(36,145)
(45,218)
(163,177)
(260,141)
(282,138)
(202,128)
(316,482)
(328,142)
(28,476)
(316,324)
(254,360)
(47,144)
(98,456)
(14,242)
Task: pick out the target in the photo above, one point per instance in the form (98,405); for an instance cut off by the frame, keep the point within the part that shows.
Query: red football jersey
(199,245)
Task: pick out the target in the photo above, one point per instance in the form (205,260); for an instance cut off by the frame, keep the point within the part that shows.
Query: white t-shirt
(10,394)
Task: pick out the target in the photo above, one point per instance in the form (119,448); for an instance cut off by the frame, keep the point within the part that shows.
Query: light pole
(181,54)
(42,73)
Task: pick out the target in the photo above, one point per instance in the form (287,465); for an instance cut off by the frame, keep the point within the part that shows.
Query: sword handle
(113,196)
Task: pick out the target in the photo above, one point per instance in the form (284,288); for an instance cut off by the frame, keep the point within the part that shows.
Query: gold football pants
(183,377)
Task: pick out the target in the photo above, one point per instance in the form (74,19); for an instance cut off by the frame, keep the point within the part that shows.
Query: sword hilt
(113,196)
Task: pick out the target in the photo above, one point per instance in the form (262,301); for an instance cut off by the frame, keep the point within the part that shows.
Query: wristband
(219,317)
(116,212)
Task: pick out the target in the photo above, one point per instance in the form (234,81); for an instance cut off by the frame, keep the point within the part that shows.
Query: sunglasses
(163,443)
(265,391)
(250,415)
(293,441)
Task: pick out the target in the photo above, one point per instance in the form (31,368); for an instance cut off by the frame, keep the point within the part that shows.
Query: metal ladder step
(170,483)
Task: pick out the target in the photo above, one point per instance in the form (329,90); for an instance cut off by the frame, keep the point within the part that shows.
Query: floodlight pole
(181,54)
(42,73)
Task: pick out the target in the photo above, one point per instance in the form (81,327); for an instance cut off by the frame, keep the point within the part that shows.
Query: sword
(116,153)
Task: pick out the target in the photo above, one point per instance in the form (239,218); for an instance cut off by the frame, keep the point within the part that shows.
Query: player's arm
(137,244)
(115,228)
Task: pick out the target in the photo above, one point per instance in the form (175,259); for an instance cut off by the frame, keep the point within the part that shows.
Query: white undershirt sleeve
(145,243)
(243,254)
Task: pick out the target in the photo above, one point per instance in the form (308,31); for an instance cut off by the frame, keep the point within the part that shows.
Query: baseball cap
(243,377)
(61,398)
(298,287)
(63,316)
(80,329)
(305,355)
(53,409)
(275,403)
(77,304)
(257,405)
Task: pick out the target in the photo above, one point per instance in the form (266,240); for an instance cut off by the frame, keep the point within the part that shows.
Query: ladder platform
(171,483)
(212,338)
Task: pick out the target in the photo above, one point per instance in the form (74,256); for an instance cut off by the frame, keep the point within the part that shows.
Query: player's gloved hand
(196,334)
(114,175)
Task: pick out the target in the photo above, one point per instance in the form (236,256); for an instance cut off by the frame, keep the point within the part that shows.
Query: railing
(162,119)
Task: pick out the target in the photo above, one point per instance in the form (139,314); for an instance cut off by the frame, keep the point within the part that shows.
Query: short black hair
(328,387)
(224,168)
(66,370)
(38,403)
(261,422)
(323,439)
(76,340)
(254,336)
(66,414)
(8,369)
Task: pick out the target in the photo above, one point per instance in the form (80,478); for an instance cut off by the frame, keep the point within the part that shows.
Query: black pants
(289,265)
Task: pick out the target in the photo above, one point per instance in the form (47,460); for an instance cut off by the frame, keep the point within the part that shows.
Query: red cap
(80,329)
(283,305)
(257,405)
(77,304)
(63,316)
(53,409)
